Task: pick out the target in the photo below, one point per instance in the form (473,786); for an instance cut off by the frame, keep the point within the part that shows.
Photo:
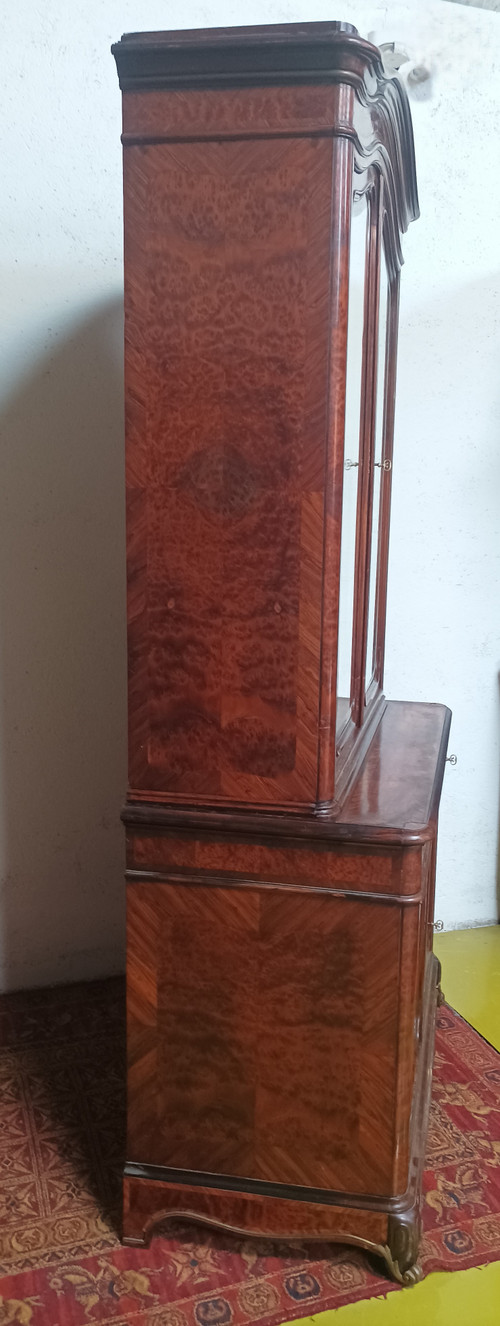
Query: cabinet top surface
(257,34)
(399,783)
(281,52)
(395,798)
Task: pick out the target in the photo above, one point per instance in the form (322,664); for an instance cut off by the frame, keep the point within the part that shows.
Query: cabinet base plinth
(149,1203)
(150,1200)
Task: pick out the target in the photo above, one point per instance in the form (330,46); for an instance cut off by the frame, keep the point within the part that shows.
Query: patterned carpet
(61,1143)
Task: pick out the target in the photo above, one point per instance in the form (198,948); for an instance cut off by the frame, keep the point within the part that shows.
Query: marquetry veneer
(281,816)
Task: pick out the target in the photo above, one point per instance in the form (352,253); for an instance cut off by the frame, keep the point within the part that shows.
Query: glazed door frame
(366,703)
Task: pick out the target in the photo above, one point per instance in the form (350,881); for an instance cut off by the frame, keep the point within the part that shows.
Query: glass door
(381,466)
(352,460)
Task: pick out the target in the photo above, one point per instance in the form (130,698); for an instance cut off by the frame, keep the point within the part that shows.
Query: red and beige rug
(61,1140)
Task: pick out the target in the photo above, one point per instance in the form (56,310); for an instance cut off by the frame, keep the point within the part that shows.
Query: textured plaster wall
(62,635)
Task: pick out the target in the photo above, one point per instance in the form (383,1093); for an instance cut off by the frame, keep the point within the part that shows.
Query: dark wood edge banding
(240,56)
(423,1080)
(196,878)
(271,34)
(440,768)
(288,1192)
(146,815)
(155,816)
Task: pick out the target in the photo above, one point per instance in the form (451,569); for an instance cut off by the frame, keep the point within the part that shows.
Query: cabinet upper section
(330,54)
(268,175)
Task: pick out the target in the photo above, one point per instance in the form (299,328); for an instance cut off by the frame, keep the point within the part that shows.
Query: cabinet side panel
(142,1019)
(410,976)
(196,1110)
(276,1036)
(227,328)
(417,1001)
(328,1011)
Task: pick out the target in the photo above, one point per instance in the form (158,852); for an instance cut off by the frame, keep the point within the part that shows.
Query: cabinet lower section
(387,1228)
(281,995)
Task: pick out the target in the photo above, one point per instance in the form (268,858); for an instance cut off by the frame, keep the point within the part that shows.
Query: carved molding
(377,118)
(400,1258)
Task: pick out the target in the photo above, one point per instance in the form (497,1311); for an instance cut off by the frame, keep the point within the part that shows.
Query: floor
(471,983)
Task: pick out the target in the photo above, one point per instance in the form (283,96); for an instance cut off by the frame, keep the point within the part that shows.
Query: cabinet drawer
(390,870)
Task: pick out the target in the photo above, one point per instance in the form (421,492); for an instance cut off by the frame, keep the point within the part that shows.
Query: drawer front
(386,870)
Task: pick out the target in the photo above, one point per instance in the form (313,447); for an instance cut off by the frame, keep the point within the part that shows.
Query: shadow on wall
(62,670)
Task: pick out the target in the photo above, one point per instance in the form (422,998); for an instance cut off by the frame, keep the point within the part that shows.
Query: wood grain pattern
(400,783)
(148,1203)
(280,979)
(346,867)
(226,603)
(276,1030)
(210,113)
(292,1030)
(237,205)
(394,800)
(142,1011)
(393,1224)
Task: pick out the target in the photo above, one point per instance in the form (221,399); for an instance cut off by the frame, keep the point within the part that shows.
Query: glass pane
(379,456)
(357,264)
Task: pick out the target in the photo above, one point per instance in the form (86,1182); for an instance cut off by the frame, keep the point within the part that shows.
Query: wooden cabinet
(281,817)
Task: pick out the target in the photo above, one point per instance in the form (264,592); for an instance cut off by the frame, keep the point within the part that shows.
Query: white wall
(62,635)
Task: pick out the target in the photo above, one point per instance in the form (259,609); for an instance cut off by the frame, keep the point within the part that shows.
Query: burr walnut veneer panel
(270,1035)
(227,314)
